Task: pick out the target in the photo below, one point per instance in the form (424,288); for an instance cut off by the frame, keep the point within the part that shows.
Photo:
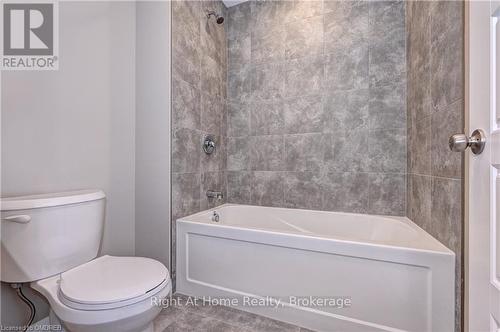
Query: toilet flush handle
(22,219)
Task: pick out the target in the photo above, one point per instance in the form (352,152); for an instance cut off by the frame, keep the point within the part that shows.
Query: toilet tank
(43,235)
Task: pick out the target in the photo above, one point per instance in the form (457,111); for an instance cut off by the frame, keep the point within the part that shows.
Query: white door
(482,178)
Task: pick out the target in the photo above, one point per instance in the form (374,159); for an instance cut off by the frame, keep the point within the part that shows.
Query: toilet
(52,242)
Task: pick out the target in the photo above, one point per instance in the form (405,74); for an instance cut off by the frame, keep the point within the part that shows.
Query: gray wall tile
(387,194)
(446,74)
(185,105)
(267,81)
(239,84)
(211,114)
(186,70)
(223,118)
(419,44)
(239,187)
(345,24)
(238,119)
(186,154)
(387,61)
(419,147)
(302,190)
(267,153)
(419,95)
(349,152)
(266,15)
(420,190)
(199,62)
(223,151)
(444,19)
(268,45)
(387,17)
(185,194)
(239,51)
(300,9)
(446,53)
(388,107)
(304,37)
(307,89)
(304,76)
(347,192)
(304,115)
(387,42)
(306,152)
(186,41)
(446,212)
(435,105)
(239,19)
(387,151)
(238,153)
(212,81)
(445,123)
(346,110)
(266,118)
(267,188)
(347,69)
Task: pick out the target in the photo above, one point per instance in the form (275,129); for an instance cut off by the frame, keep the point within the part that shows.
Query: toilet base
(55,323)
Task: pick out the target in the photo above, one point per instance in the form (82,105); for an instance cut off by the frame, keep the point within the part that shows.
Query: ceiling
(230,3)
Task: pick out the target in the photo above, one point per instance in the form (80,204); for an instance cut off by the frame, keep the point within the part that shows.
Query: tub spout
(215,194)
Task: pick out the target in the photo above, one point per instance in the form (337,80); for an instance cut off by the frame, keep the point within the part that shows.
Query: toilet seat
(113,305)
(111,282)
(118,316)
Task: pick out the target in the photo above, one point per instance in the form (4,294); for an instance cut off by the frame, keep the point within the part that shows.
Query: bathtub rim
(443,250)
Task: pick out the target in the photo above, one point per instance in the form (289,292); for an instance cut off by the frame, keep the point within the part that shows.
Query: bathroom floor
(181,317)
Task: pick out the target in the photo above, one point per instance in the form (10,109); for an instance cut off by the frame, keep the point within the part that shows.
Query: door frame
(465,193)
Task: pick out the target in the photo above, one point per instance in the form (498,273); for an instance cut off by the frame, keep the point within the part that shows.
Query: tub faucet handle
(215,194)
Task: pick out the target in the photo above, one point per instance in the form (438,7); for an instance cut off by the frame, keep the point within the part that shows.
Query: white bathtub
(396,276)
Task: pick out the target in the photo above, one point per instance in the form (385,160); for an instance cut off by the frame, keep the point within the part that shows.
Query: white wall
(152,218)
(119,235)
(74,128)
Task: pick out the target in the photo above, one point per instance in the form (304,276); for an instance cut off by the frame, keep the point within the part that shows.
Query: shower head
(219,19)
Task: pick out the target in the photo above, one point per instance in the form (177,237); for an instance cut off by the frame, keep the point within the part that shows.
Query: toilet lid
(110,279)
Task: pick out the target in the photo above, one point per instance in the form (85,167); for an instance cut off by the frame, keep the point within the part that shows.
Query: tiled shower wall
(435,111)
(199,56)
(310,98)
(317,105)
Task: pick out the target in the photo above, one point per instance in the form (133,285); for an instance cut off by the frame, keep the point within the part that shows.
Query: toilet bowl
(52,240)
(107,294)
